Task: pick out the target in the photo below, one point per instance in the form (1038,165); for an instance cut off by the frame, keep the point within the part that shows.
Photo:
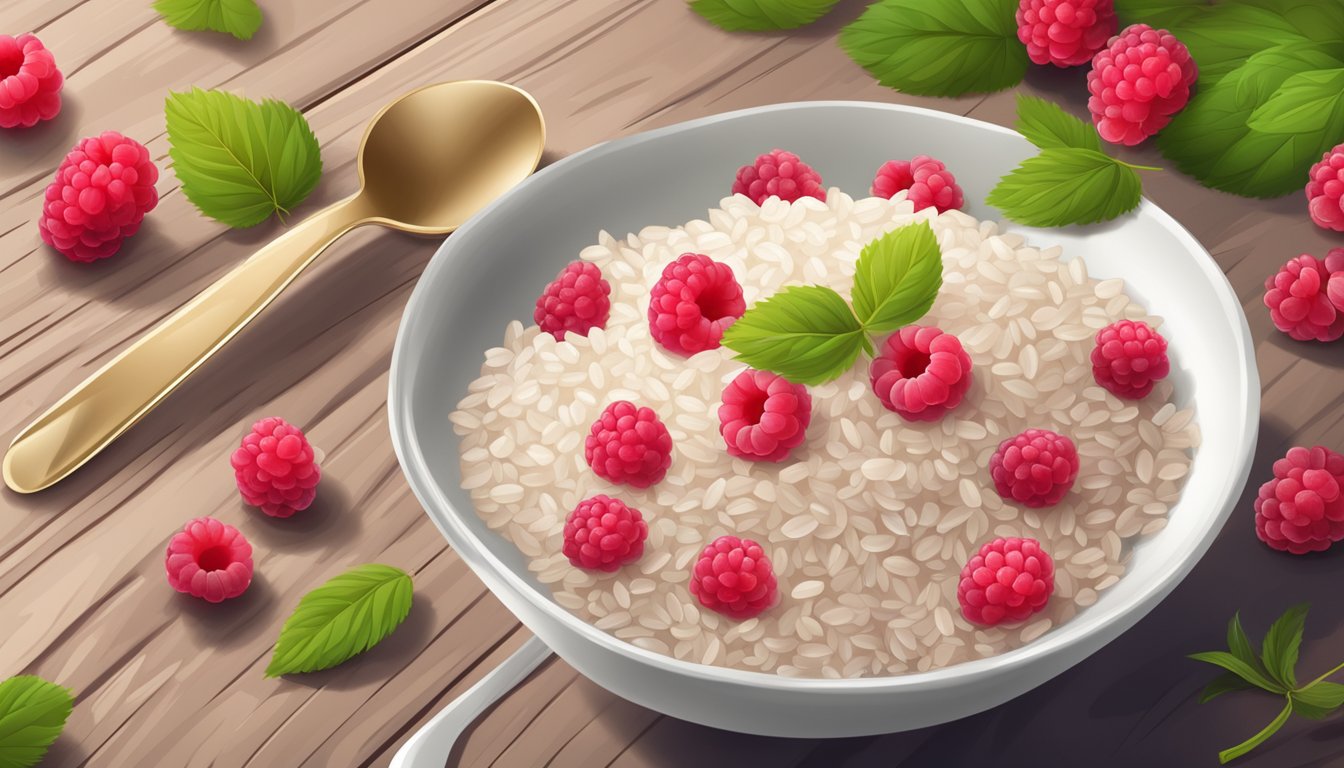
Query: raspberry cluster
(1064,33)
(30,83)
(577,300)
(603,534)
(1299,297)
(1301,509)
(1035,469)
(629,444)
(1009,579)
(1138,82)
(763,416)
(693,303)
(921,373)
(778,174)
(210,560)
(101,193)
(926,182)
(734,577)
(1325,190)
(1129,357)
(275,468)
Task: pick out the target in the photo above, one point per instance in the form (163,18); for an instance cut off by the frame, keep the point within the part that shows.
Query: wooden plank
(160,677)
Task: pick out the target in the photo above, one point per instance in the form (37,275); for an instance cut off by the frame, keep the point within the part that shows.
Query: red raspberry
(209,559)
(30,83)
(693,303)
(101,192)
(577,300)
(1035,468)
(1302,509)
(1138,82)
(921,373)
(1334,287)
(1299,302)
(275,468)
(1325,190)
(1128,358)
(764,416)
(1007,580)
(603,534)
(734,577)
(778,174)
(1065,33)
(629,445)
(927,181)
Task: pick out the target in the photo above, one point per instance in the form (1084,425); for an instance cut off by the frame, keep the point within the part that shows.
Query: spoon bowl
(429,161)
(421,163)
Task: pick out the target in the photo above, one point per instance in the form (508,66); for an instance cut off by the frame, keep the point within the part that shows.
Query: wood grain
(166,680)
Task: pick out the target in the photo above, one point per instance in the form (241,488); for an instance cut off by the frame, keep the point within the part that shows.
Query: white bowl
(490,271)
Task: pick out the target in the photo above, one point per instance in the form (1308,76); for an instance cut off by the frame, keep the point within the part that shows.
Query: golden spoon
(428,162)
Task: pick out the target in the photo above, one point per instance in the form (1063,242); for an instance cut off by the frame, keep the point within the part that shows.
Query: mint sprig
(1273,670)
(809,334)
(1071,181)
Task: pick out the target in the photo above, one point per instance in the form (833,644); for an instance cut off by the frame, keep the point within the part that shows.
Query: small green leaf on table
(240,18)
(240,161)
(947,48)
(32,714)
(897,278)
(1282,644)
(344,617)
(761,15)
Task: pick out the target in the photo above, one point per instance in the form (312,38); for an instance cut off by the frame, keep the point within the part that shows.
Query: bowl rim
(497,575)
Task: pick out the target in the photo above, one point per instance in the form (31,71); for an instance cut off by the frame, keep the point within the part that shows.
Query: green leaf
(1282,642)
(346,616)
(1210,138)
(1318,700)
(939,49)
(1306,102)
(897,278)
(240,18)
(1239,668)
(807,334)
(1224,683)
(761,15)
(1048,126)
(239,161)
(1228,755)
(32,714)
(1060,187)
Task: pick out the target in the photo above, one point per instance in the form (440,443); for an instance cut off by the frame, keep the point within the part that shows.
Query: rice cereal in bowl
(826,437)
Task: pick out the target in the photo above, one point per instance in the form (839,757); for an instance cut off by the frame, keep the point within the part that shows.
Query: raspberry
(927,182)
(1299,301)
(778,174)
(101,192)
(1065,33)
(603,534)
(693,303)
(1035,468)
(1325,190)
(30,83)
(629,445)
(734,577)
(1302,508)
(1334,287)
(921,373)
(1007,580)
(209,559)
(577,300)
(1138,82)
(764,416)
(275,468)
(1128,358)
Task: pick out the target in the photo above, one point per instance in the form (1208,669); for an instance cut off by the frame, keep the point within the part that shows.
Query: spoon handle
(107,403)
(431,746)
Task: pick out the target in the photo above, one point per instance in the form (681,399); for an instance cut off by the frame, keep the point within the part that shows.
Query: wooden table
(166,680)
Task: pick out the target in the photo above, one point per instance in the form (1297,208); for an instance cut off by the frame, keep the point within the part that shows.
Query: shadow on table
(329,524)
(235,622)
